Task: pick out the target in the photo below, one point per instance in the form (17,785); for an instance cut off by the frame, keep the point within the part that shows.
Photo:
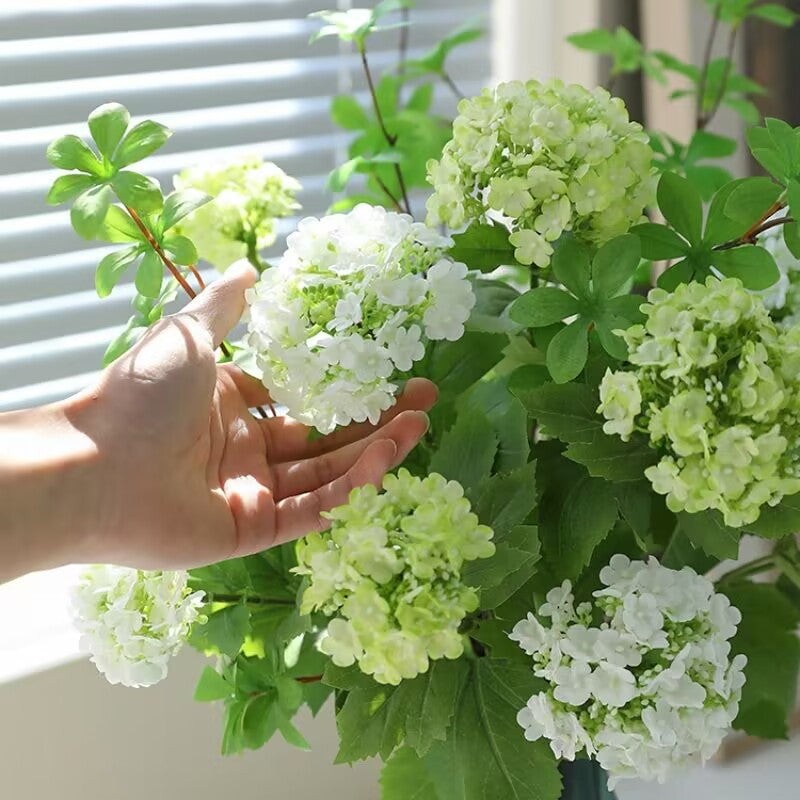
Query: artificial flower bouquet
(619,405)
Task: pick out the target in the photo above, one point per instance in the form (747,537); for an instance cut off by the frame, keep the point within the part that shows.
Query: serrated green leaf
(178,205)
(681,205)
(567,351)
(149,275)
(141,141)
(767,636)
(505,500)
(68,186)
(467,451)
(707,530)
(544,306)
(483,246)
(566,411)
(455,366)
(485,756)
(225,630)
(404,777)
(754,266)
(211,686)
(89,210)
(108,124)
(111,268)
(776,521)
(137,191)
(610,458)
(71,152)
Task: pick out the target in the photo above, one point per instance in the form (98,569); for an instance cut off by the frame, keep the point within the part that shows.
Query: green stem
(451,84)
(754,567)
(238,598)
(700,118)
(252,254)
(724,82)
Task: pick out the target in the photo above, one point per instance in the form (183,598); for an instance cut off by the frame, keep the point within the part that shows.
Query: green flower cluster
(717,388)
(390,570)
(249,194)
(547,158)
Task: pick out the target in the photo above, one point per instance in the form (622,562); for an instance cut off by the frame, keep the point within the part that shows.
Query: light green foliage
(626,51)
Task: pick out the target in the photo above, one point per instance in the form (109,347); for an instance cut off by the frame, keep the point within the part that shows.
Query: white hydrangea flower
(349,307)
(642,679)
(545,158)
(133,621)
(249,194)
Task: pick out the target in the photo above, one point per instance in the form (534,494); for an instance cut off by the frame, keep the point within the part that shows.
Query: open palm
(190,476)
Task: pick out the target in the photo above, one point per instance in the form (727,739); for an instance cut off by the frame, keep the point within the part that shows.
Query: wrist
(50,494)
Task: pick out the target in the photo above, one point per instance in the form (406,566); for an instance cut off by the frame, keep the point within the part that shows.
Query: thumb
(220,305)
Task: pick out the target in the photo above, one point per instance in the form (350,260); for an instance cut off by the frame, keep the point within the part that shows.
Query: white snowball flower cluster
(133,621)
(249,194)
(646,689)
(782,299)
(546,158)
(348,308)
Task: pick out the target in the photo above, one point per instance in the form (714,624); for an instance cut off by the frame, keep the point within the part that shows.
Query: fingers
(219,307)
(296,477)
(253,392)
(288,440)
(296,516)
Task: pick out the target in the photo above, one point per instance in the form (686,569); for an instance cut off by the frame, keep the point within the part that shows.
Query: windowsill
(36,630)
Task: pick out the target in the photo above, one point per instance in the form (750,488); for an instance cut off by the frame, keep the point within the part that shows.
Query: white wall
(66,734)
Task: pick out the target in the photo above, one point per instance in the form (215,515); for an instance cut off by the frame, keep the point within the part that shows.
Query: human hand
(182,474)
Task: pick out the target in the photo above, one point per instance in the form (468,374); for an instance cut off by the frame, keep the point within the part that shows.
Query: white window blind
(228,76)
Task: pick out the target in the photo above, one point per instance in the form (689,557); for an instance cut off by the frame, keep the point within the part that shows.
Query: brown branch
(700,120)
(764,223)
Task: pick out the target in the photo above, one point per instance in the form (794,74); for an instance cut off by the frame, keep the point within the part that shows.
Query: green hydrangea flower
(389,572)
(547,158)
(716,387)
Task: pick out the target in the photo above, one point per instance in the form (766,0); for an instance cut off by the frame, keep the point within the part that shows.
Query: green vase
(585,780)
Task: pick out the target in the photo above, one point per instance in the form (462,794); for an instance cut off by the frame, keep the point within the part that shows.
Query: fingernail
(422,415)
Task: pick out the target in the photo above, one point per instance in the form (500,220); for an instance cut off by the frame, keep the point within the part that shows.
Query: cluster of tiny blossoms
(132,621)
(348,308)
(717,388)
(546,158)
(644,690)
(249,194)
(389,570)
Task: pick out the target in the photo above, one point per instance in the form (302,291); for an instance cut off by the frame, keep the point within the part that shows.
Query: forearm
(48,502)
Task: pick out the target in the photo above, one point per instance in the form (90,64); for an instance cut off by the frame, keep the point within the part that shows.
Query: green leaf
(767,636)
(775,13)
(178,205)
(705,144)
(567,411)
(544,306)
(707,530)
(719,226)
(89,210)
(339,177)
(361,723)
(225,630)
(599,40)
(791,237)
(108,124)
(610,458)
(681,205)
(421,98)
(708,179)
(505,500)
(614,264)
(483,246)
(211,686)
(755,266)
(68,186)
(660,242)
(141,141)
(776,521)
(419,711)
(119,228)
(149,275)
(492,298)
(455,366)
(751,198)
(124,341)
(511,567)
(347,113)
(138,191)
(111,268)
(71,152)
(404,777)
(181,249)
(571,266)
(485,756)
(567,351)
(577,513)
(467,451)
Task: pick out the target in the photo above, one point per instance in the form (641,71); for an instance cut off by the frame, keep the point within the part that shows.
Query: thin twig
(391,140)
(387,191)
(749,236)
(725,75)
(761,564)
(402,45)
(700,120)
(238,598)
(451,84)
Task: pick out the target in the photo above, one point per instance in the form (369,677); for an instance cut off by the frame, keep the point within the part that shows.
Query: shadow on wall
(67,734)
